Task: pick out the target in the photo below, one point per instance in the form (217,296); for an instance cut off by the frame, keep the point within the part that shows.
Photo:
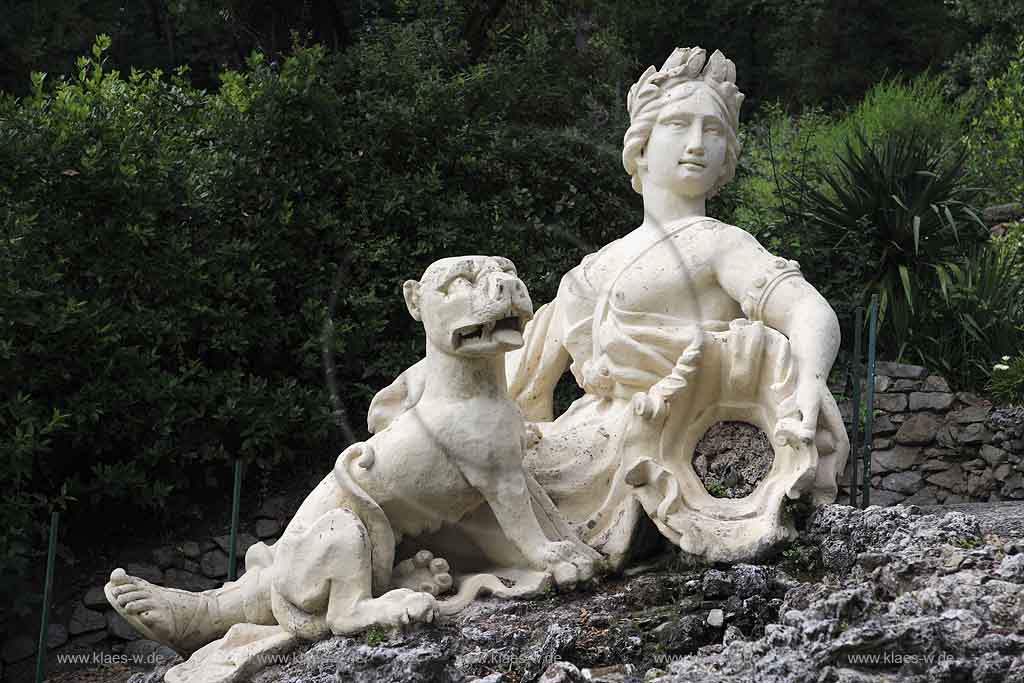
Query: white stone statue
(682,323)
(443,472)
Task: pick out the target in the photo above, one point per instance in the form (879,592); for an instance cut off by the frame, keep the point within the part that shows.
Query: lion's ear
(411,291)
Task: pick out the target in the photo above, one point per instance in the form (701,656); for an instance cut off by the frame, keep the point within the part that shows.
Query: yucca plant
(978,318)
(893,211)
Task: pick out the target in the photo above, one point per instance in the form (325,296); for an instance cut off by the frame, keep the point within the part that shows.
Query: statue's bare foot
(167,615)
(423,572)
(395,609)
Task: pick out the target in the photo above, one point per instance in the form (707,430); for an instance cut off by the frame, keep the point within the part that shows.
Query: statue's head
(684,120)
(470,305)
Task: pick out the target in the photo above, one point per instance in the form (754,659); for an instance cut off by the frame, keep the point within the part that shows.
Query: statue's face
(686,150)
(471,305)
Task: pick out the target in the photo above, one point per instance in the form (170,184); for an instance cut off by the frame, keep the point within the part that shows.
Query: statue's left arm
(772,290)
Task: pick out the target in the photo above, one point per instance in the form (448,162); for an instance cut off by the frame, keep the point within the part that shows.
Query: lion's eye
(458,282)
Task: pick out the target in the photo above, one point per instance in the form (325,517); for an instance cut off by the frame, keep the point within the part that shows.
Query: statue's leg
(183,620)
(323,579)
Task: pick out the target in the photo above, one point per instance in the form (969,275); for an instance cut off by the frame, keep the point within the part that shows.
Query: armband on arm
(754,302)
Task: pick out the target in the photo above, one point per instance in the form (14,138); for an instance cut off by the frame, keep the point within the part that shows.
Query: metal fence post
(855,379)
(236,502)
(869,418)
(44,622)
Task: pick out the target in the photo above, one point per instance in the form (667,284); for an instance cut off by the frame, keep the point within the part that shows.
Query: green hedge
(169,254)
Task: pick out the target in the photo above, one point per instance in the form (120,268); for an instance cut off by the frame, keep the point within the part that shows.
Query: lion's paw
(567,563)
(423,572)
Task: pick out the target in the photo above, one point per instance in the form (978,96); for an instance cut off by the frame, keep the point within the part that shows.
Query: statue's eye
(712,128)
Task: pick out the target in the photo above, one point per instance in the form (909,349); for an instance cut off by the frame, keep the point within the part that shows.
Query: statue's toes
(423,558)
(142,606)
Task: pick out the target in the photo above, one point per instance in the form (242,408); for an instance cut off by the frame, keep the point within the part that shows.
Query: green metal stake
(236,502)
(855,377)
(44,625)
(869,420)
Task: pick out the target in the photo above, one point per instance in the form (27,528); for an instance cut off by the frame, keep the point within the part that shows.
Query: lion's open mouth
(505,331)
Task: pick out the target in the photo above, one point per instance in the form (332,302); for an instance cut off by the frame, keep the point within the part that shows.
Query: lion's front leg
(506,492)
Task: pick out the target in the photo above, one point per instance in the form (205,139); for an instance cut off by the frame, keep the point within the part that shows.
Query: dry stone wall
(934,445)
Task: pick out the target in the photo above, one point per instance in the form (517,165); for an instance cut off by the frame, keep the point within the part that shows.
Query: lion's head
(470,305)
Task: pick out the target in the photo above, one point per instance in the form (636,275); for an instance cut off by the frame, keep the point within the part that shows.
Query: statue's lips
(507,332)
(692,164)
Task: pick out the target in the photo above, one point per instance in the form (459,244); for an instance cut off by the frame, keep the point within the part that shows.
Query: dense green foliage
(180,253)
(170,253)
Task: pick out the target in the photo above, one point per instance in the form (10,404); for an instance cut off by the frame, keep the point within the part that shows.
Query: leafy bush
(997,135)
(169,254)
(1007,382)
(978,316)
(918,108)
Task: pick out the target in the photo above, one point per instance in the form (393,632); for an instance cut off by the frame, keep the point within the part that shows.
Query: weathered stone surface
(947,438)
(935,383)
(900,370)
(275,507)
(970,414)
(931,583)
(191,550)
(903,482)
(561,672)
(17,649)
(976,465)
(267,528)
(930,401)
(189,581)
(936,465)
(884,497)
(891,403)
(56,635)
(952,479)
(95,599)
(85,620)
(148,572)
(716,618)
(242,543)
(883,383)
(979,483)
(895,460)
(906,385)
(117,626)
(881,444)
(1012,568)
(919,430)
(1002,213)
(716,584)
(167,556)
(992,455)
(883,426)
(974,434)
(215,564)
(926,496)
(972,399)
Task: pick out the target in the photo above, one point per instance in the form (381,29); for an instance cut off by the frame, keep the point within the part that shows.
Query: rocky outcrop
(878,595)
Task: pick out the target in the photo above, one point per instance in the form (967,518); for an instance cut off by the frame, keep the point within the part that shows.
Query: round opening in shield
(731,458)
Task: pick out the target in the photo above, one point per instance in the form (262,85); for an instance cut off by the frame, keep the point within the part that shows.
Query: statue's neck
(663,207)
(458,378)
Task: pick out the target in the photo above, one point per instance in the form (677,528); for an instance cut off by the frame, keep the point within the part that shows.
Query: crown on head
(687,64)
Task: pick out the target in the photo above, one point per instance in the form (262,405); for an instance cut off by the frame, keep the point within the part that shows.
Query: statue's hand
(798,425)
